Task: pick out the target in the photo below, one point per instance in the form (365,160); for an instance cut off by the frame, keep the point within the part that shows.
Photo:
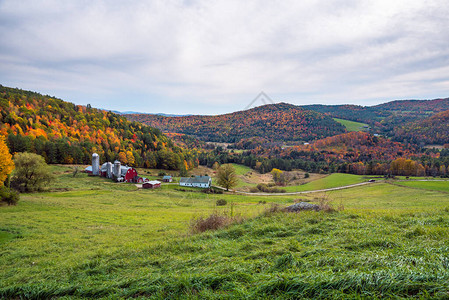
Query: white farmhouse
(197,181)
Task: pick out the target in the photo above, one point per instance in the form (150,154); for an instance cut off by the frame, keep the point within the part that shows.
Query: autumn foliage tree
(6,167)
(6,163)
(276,173)
(227,177)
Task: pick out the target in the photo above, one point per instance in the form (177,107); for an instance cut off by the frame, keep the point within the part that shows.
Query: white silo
(95,164)
(109,169)
(117,167)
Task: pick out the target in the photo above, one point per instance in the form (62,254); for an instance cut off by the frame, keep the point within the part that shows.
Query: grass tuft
(214,221)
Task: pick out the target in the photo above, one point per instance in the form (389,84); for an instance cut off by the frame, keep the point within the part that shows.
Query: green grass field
(331,181)
(241,169)
(351,125)
(91,238)
(442,186)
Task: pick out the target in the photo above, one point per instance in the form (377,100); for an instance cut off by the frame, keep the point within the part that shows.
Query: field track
(303,192)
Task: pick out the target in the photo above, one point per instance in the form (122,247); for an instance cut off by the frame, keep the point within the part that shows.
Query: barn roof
(196,179)
(124,169)
(153,182)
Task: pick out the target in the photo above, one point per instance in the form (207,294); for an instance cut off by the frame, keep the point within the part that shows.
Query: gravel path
(303,192)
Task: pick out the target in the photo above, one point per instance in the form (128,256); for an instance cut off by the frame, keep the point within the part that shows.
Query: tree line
(66,133)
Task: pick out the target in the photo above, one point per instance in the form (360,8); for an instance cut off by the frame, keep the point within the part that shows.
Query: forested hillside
(63,132)
(357,113)
(432,130)
(416,107)
(387,117)
(353,152)
(274,122)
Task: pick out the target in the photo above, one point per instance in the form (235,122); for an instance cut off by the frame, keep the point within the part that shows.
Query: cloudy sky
(209,57)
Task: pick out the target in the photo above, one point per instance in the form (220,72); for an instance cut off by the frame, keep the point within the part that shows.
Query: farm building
(106,170)
(88,170)
(167,178)
(139,179)
(151,184)
(129,174)
(197,181)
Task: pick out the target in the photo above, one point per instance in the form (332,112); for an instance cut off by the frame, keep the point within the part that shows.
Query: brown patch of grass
(325,204)
(272,209)
(214,221)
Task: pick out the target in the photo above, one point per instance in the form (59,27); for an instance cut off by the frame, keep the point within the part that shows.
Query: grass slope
(442,186)
(96,239)
(331,181)
(351,125)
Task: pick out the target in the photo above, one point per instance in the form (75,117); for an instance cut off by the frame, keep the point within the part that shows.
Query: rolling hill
(432,130)
(274,122)
(415,107)
(356,113)
(63,132)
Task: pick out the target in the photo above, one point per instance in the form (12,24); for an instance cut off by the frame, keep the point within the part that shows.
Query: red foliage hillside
(275,122)
(356,146)
(432,130)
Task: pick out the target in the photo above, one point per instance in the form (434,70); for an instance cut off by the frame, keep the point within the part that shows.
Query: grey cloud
(206,56)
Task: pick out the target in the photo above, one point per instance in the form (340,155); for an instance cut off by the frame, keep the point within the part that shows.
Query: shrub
(268,189)
(221,202)
(9,196)
(212,190)
(272,209)
(162,174)
(326,205)
(306,175)
(254,190)
(32,173)
(213,222)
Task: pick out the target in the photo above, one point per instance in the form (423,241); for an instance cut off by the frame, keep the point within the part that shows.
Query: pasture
(91,238)
(351,125)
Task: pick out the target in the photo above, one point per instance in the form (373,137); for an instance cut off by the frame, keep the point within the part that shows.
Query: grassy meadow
(433,185)
(90,238)
(331,181)
(351,125)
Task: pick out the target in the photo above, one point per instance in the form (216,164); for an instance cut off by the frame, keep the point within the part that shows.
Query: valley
(224,150)
(381,229)
(100,239)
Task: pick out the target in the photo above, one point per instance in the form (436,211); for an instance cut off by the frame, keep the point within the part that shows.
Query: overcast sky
(209,57)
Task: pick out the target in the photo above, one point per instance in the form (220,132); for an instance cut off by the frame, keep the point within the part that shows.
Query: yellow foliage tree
(122,157)
(130,158)
(276,175)
(6,163)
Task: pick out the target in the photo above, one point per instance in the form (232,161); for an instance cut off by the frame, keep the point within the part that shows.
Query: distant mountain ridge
(275,122)
(432,130)
(139,113)
(435,105)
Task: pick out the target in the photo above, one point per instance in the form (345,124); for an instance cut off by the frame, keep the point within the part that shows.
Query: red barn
(151,184)
(129,174)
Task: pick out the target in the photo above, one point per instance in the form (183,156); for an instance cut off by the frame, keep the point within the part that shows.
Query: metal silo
(95,164)
(109,169)
(117,167)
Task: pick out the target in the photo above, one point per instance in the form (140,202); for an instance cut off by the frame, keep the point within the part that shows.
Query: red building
(151,184)
(129,174)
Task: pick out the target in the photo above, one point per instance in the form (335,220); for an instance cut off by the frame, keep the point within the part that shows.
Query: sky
(214,56)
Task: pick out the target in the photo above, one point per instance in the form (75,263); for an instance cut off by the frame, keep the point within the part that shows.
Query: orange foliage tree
(6,163)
